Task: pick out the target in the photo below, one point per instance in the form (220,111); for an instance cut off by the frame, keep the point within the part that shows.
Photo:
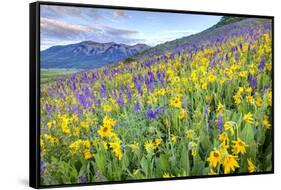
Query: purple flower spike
(220,123)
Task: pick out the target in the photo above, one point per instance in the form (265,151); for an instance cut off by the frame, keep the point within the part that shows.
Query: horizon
(100,43)
(65,25)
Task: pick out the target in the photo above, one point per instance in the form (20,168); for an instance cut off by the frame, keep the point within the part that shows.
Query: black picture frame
(34,91)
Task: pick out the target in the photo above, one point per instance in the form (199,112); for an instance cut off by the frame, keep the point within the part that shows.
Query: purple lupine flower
(262,64)
(160,75)
(220,123)
(252,80)
(148,84)
(129,95)
(206,110)
(240,46)
(103,93)
(137,107)
(75,109)
(43,167)
(82,100)
(266,87)
(83,179)
(182,61)
(120,101)
(48,108)
(226,57)
(138,84)
(151,76)
(154,114)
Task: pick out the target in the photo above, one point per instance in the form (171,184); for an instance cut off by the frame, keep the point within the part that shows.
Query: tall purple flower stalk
(83,179)
(153,114)
(252,81)
(137,107)
(262,64)
(220,123)
(129,95)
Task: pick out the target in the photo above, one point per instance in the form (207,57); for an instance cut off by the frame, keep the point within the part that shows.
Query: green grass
(48,75)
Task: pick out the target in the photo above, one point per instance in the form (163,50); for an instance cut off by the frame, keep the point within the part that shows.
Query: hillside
(227,26)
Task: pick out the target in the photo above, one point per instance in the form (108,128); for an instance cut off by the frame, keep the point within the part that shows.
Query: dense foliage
(204,110)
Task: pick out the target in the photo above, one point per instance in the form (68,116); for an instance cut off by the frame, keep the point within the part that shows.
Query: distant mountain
(87,54)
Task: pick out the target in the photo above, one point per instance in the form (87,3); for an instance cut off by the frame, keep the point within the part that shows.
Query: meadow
(49,75)
(201,110)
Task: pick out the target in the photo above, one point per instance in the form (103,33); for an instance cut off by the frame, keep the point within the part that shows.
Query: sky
(61,25)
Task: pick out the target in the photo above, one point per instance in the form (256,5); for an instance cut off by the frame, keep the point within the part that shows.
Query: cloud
(55,32)
(61,30)
(119,32)
(51,11)
(120,13)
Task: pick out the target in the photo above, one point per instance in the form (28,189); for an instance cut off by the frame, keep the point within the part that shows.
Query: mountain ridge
(87,54)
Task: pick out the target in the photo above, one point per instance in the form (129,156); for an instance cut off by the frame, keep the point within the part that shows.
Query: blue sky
(62,25)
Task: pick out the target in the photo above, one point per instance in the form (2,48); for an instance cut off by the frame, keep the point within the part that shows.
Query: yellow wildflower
(214,159)
(259,101)
(87,154)
(134,146)
(182,114)
(212,78)
(223,137)
(174,138)
(189,134)
(167,175)
(248,118)
(251,166)
(105,131)
(266,123)
(239,146)
(84,125)
(176,102)
(116,149)
(230,163)
(149,146)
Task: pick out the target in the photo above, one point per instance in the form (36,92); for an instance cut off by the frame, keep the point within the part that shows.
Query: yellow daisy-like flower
(174,138)
(223,137)
(176,102)
(116,149)
(250,99)
(105,131)
(167,175)
(204,86)
(189,134)
(149,146)
(182,114)
(85,125)
(107,107)
(87,154)
(230,163)
(248,118)
(239,146)
(220,107)
(237,99)
(251,166)
(157,142)
(214,159)
(134,146)
(266,123)
(259,101)
(109,122)
(212,78)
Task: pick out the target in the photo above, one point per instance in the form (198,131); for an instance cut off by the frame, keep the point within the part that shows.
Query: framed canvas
(123,94)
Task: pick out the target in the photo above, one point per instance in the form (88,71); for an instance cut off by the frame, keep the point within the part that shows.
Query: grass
(48,75)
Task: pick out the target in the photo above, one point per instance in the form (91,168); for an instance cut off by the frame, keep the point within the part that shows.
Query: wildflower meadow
(198,110)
